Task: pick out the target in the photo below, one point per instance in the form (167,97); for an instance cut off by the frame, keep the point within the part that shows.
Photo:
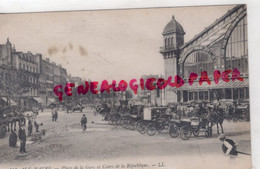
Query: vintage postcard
(153,88)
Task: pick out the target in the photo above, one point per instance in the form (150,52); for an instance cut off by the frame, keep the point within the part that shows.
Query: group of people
(32,121)
(22,138)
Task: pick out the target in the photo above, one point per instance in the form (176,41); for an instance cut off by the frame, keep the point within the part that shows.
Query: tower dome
(173,27)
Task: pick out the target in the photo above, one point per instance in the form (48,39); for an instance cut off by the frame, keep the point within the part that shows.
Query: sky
(104,44)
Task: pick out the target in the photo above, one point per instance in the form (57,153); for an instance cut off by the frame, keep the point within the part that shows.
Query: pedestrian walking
(22,137)
(54,114)
(84,122)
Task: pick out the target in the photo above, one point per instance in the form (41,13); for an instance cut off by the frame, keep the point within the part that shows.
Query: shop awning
(39,100)
(13,103)
(213,85)
(51,101)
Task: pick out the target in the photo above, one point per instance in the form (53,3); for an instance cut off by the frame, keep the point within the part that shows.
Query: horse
(216,116)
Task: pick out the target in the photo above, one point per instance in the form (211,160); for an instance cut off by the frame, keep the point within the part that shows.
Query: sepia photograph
(146,88)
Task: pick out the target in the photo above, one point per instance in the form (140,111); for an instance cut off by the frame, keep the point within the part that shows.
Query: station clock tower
(173,37)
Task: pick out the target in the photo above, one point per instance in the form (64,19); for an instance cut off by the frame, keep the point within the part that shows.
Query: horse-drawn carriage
(8,119)
(73,107)
(124,116)
(77,108)
(153,121)
(185,128)
(236,110)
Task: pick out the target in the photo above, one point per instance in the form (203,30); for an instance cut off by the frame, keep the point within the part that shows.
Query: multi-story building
(220,46)
(36,77)
(64,76)
(46,82)
(75,79)
(51,75)
(27,67)
(57,74)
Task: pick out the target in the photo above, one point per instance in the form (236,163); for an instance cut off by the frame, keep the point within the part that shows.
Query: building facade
(26,68)
(28,78)
(221,46)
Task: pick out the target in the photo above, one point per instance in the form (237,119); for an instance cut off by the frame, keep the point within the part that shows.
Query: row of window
(33,80)
(27,58)
(198,56)
(32,92)
(229,93)
(237,43)
(236,54)
(240,63)
(168,41)
(27,68)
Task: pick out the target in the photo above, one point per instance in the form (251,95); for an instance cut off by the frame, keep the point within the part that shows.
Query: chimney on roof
(8,42)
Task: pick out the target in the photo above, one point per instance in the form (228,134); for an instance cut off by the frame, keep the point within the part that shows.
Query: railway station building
(222,46)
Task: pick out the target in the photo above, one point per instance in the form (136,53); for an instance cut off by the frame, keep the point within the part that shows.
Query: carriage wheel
(115,119)
(185,133)
(136,124)
(173,131)
(112,119)
(120,122)
(126,123)
(123,123)
(3,130)
(207,133)
(131,124)
(151,129)
(109,119)
(141,128)
(161,127)
(195,132)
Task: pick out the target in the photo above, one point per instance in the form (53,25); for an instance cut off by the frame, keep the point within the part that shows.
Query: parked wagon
(186,128)
(241,113)
(77,108)
(159,124)
(129,121)
(150,114)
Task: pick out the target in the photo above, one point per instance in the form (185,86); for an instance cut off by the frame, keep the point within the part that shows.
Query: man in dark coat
(54,114)
(84,121)
(22,137)
(12,139)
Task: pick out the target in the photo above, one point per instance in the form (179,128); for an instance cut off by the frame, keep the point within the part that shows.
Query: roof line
(212,25)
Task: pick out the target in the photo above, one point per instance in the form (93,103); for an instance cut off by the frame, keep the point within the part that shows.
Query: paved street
(65,142)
